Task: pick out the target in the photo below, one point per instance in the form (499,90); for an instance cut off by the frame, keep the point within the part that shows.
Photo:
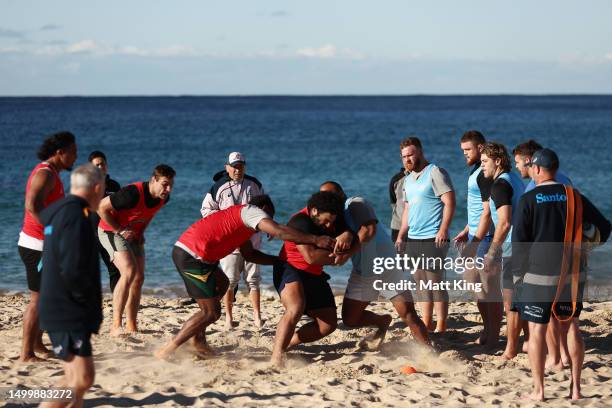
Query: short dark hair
(95,154)
(55,142)
(163,170)
(473,136)
(262,201)
(527,148)
(337,188)
(496,151)
(411,141)
(326,201)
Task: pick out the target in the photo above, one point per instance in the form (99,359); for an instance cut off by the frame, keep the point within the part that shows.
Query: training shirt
(70,290)
(396,193)
(422,191)
(507,189)
(479,190)
(537,236)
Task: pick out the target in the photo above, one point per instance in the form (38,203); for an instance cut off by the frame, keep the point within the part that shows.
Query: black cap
(545,158)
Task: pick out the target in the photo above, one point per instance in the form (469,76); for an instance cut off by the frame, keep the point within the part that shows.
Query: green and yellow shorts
(199,277)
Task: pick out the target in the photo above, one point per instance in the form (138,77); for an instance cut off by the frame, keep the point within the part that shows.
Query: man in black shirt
(550,280)
(98,159)
(70,306)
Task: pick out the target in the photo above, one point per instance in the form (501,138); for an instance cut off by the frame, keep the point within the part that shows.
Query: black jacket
(70,291)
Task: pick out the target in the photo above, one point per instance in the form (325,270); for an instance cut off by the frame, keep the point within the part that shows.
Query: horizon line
(299,95)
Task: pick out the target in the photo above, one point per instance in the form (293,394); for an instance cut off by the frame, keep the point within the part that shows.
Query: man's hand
(461,237)
(343,242)
(127,234)
(325,242)
(441,238)
(340,259)
(399,245)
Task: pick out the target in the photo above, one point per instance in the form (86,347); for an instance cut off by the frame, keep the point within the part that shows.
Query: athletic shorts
(317,292)
(234,264)
(426,249)
(540,312)
(66,343)
(198,276)
(483,246)
(506,273)
(31,259)
(116,243)
(361,288)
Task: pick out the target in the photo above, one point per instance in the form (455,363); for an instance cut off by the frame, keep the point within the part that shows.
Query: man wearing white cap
(233,187)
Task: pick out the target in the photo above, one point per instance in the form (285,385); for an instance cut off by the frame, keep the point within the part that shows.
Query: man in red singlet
(197,252)
(58,152)
(124,218)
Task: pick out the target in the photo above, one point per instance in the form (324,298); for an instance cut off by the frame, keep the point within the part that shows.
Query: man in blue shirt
(427,215)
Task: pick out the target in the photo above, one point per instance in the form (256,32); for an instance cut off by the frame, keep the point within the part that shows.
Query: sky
(291,47)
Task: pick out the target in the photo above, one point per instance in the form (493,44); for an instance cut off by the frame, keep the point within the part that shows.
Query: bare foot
(534,396)
(258,323)
(277,362)
(554,366)
(574,392)
(482,339)
(508,355)
(204,349)
(373,342)
(117,331)
(229,325)
(165,352)
(131,327)
(30,359)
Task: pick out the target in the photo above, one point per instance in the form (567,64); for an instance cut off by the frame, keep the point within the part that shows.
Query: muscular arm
(287,233)
(105,212)
(41,185)
(404,227)
(448,199)
(504,215)
(484,224)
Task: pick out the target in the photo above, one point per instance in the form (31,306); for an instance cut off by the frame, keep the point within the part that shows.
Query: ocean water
(292,144)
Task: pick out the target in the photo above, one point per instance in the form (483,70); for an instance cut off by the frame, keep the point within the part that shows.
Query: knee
(294,314)
(328,327)
(138,280)
(85,381)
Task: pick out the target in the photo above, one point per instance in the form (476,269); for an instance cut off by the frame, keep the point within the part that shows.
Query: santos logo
(546,198)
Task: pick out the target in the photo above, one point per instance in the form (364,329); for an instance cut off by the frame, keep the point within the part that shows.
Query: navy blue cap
(545,158)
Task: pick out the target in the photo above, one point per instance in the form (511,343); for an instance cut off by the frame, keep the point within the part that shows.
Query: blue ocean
(291,144)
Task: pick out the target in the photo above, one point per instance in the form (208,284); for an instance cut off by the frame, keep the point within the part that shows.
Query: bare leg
(354,314)
(228,302)
(424,299)
(408,314)
(575,344)
(513,324)
(537,357)
(324,323)
(31,332)
(133,302)
(210,311)
(440,298)
(553,345)
(495,313)
(81,378)
(254,296)
(128,268)
(292,298)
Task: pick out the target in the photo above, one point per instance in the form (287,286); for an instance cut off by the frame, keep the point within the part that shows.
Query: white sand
(326,373)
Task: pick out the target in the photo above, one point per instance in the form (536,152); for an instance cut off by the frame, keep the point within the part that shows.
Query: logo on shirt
(549,198)
(49,230)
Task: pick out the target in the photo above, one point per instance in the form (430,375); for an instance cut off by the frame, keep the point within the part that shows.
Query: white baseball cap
(235,158)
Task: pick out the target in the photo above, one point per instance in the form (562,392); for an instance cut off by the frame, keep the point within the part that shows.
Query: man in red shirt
(300,280)
(58,152)
(197,252)
(124,217)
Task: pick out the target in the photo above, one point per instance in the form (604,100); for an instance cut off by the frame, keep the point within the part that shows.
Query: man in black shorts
(98,159)
(300,280)
(550,278)
(70,304)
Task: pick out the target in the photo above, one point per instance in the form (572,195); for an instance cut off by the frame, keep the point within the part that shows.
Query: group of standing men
(527,237)
(212,253)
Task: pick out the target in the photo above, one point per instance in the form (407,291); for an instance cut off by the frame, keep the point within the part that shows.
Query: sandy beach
(331,372)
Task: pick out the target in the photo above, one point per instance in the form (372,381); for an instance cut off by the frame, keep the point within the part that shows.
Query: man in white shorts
(364,286)
(234,187)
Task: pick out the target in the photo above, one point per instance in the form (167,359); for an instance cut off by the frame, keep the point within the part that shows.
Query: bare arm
(403,229)
(484,224)
(250,254)
(287,233)
(316,256)
(448,199)
(504,215)
(41,185)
